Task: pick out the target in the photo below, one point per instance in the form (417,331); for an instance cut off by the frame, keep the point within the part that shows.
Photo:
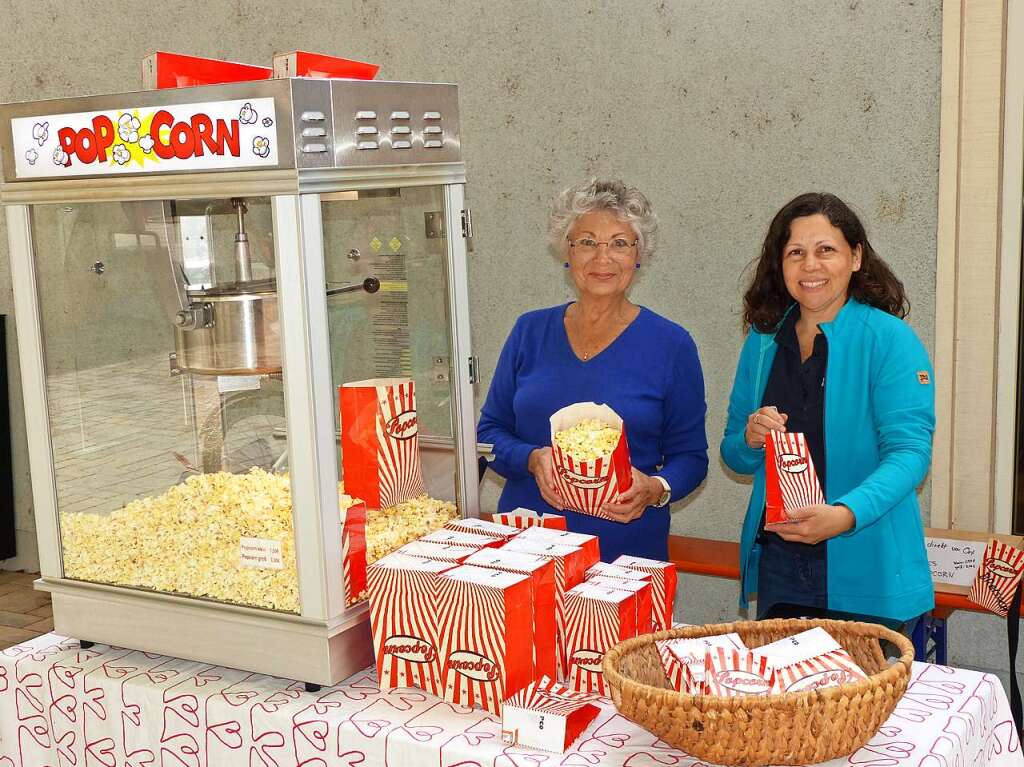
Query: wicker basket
(793,728)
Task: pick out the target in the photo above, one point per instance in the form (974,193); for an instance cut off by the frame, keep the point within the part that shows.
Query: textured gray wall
(720,111)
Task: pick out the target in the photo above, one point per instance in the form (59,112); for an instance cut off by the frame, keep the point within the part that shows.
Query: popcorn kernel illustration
(247,115)
(41,132)
(121,154)
(60,157)
(146,143)
(31,155)
(267,122)
(261,146)
(128,128)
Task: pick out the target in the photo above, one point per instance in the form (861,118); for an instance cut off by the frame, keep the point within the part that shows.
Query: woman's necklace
(589,348)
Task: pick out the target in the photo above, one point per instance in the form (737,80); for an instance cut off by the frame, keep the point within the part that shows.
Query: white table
(67,707)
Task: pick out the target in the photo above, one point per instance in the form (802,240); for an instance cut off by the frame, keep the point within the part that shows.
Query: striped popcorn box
(526,518)
(483,527)
(380,450)
(541,571)
(829,669)
(683,659)
(353,553)
(729,672)
(597,619)
(791,482)
(568,574)
(663,582)
(486,654)
(456,538)
(642,590)
(590,544)
(546,715)
(589,475)
(404,600)
(438,551)
(607,570)
(998,576)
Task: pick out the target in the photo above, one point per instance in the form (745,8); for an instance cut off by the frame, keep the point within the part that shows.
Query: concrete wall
(721,112)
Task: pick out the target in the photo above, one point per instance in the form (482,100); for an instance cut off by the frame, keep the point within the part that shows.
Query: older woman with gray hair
(601,348)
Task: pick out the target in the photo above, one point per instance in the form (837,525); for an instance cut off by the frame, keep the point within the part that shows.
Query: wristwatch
(664,499)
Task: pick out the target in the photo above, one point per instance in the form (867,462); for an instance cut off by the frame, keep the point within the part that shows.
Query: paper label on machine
(261,553)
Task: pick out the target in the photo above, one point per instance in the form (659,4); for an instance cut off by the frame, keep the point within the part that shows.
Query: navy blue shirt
(650,375)
(796,573)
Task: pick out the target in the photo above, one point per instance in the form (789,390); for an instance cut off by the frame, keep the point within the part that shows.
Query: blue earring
(566,264)
(637,265)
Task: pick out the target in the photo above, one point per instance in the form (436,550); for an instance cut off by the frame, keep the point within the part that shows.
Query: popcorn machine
(197,272)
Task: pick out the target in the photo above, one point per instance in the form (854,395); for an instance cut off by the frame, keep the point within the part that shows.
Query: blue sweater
(650,375)
(879,419)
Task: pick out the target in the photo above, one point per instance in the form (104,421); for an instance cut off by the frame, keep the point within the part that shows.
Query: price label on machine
(261,552)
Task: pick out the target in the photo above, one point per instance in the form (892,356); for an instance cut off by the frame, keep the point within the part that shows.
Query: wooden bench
(721,559)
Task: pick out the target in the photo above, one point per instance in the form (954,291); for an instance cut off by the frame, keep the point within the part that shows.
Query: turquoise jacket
(879,419)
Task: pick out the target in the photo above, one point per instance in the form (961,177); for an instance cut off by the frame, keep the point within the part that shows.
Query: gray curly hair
(626,202)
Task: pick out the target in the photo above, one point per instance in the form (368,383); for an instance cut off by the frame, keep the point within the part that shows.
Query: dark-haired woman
(828,354)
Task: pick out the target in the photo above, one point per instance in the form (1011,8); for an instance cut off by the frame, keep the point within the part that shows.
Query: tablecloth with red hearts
(61,706)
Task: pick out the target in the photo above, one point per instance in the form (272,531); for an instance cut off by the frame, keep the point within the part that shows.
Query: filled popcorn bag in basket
(999,574)
(591,456)
(596,619)
(791,482)
(404,596)
(527,518)
(729,672)
(380,450)
(683,659)
(487,651)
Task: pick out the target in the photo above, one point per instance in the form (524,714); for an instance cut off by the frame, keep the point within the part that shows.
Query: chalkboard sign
(7,546)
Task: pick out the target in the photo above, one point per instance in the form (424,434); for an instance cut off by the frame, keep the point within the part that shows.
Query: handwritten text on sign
(261,552)
(953,561)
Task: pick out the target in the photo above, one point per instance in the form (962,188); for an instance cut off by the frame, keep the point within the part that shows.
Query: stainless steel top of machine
(286,124)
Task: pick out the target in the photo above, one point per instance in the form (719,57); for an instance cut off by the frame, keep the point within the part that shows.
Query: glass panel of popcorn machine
(390,359)
(165,397)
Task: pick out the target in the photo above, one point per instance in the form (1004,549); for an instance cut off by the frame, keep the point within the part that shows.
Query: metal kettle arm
(370,285)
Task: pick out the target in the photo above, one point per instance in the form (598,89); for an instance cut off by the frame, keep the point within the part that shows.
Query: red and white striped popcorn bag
(608,570)
(1002,566)
(403,596)
(729,672)
(541,571)
(829,669)
(642,590)
(791,482)
(527,518)
(353,553)
(590,544)
(663,582)
(683,658)
(568,574)
(440,552)
(546,715)
(486,654)
(380,449)
(597,619)
(483,527)
(458,538)
(587,485)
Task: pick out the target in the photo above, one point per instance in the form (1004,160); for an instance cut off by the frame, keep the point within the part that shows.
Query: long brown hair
(766,300)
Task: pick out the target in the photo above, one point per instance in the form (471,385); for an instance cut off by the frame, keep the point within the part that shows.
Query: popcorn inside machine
(243,329)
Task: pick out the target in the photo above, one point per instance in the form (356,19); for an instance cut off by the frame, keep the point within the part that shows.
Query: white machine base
(237,637)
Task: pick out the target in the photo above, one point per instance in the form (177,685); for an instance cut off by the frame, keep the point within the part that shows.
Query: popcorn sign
(260,552)
(147,139)
(591,469)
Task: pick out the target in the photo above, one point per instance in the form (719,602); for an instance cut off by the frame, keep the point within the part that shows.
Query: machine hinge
(467,223)
(474,369)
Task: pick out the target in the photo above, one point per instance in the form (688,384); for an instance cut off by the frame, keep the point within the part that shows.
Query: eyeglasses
(586,246)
